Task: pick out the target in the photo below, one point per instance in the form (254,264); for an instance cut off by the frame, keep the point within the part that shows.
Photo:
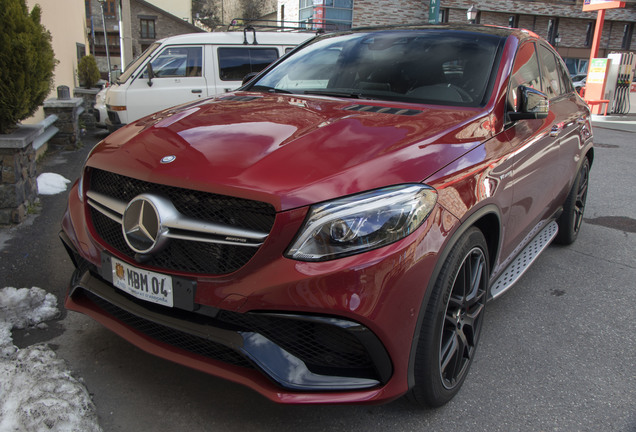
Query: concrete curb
(621,123)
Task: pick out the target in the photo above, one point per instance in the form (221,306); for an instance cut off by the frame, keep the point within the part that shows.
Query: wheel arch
(590,156)
(488,220)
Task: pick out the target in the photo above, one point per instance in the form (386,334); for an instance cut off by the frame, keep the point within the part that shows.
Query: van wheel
(574,207)
(452,325)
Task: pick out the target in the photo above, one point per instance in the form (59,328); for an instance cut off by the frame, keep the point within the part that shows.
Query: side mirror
(531,104)
(247,78)
(150,74)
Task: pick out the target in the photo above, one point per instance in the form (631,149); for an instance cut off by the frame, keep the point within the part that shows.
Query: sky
(37,391)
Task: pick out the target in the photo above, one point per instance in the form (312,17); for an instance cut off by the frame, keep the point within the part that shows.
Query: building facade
(68,32)
(179,8)
(562,22)
(143,23)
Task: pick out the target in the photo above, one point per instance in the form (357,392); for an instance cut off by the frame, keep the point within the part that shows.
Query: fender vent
(383,110)
(240,98)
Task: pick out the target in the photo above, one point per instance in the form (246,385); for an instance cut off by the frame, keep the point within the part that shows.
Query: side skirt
(522,262)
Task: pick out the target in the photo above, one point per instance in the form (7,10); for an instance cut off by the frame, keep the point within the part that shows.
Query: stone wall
(67,112)
(388,12)
(88,102)
(165,25)
(18,182)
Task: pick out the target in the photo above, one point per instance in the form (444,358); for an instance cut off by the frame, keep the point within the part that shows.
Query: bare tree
(207,12)
(253,9)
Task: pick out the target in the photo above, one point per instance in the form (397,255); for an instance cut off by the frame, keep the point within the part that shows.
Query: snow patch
(51,183)
(37,392)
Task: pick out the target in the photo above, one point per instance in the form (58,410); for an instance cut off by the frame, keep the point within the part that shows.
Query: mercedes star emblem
(142,225)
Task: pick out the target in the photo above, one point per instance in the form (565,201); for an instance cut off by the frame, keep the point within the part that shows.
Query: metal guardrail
(47,131)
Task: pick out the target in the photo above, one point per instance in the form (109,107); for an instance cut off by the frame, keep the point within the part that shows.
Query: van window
(235,63)
(177,62)
(135,64)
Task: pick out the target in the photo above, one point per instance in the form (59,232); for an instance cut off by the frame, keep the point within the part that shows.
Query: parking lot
(558,351)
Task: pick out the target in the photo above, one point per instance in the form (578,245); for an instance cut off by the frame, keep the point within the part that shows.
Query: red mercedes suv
(332,231)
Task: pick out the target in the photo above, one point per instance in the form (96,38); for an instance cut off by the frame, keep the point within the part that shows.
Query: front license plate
(143,284)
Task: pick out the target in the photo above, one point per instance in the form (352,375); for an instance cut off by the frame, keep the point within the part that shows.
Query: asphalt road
(558,352)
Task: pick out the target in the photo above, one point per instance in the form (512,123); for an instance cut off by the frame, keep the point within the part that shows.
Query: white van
(193,66)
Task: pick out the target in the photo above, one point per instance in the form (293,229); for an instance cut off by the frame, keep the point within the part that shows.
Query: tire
(574,207)
(452,325)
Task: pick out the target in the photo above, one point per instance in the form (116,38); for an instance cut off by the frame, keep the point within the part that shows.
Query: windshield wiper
(269,89)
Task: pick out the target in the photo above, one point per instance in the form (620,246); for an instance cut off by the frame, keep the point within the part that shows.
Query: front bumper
(280,345)
(332,332)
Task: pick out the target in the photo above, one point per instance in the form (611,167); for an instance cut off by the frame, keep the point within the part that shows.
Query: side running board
(522,262)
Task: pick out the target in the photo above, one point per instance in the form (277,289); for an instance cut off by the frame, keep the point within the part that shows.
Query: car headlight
(362,222)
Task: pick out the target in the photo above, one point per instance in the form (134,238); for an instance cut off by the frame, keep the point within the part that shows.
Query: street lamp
(471,14)
(101,3)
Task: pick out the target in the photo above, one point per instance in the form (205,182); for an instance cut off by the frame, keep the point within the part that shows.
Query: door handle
(555,131)
(197,91)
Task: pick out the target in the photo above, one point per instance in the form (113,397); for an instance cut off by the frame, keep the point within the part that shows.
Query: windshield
(424,66)
(135,64)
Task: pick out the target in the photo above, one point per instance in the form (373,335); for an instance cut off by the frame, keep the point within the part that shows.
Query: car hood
(288,150)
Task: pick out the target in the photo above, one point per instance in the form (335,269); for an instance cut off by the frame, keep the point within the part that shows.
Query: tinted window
(525,72)
(566,81)
(235,63)
(446,68)
(177,62)
(549,73)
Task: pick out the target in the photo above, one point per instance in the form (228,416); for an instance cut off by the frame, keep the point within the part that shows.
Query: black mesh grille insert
(183,255)
(177,338)
(325,349)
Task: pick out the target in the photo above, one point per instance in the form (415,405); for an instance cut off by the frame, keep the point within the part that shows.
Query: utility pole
(101,2)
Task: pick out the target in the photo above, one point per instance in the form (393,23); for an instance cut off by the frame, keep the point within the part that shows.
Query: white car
(99,110)
(189,67)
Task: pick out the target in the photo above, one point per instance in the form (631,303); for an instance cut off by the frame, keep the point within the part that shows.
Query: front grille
(113,117)
(184,255)
(177,338)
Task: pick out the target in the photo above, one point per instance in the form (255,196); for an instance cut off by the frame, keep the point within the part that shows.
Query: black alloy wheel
(452,322)
(463,318)
(571,219)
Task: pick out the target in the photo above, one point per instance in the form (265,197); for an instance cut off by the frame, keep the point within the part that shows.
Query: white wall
(178,8)
(67,25)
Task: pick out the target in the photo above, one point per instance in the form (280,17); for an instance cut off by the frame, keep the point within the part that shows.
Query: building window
(327,14)
(553,30)
(80,50)
(513,21)
(628,32)
(110,9)
(147,28)
(589,32)
(443,15)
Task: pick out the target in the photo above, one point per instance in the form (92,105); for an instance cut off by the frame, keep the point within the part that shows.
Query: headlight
(362,222)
